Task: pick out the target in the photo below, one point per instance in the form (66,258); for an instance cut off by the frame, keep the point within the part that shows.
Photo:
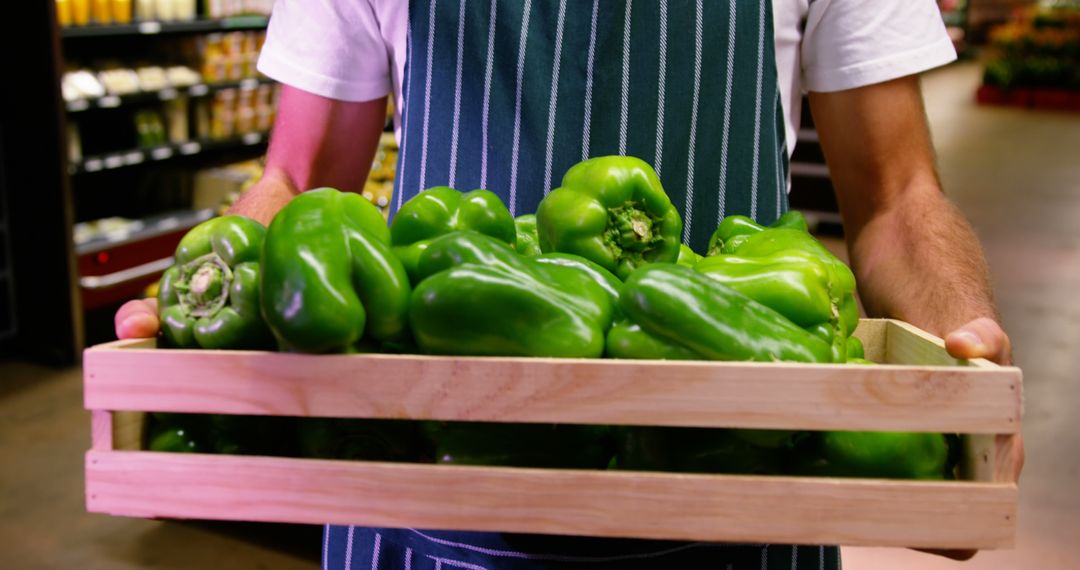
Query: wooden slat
(783,510)
(906,344)
(1007,450)
(977,457)
(705,394)
(101,430)
(128,430)
(872,334)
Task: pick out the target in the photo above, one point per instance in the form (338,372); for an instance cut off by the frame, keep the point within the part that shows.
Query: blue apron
(507,95)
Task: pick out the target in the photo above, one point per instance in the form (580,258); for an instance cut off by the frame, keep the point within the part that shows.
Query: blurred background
(125,123)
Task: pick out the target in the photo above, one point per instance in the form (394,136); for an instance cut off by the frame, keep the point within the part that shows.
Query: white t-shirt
(354,50)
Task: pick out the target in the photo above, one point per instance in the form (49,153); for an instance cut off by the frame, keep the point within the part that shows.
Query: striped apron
(507,95)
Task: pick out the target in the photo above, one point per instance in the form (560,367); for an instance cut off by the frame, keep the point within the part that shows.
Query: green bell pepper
(892,455)
(370,440)
(685,307)
(855,348)
(626,339)
(604,278)
(611,210)
(780,240)
(687,256)
(730,228)
(409,256)
(792,283)
(733,229)
(521,445)
(210,297)
(528,243)
(440,210)
(176,440)
(692,450)
(329,276)
(472,283)
(792,219)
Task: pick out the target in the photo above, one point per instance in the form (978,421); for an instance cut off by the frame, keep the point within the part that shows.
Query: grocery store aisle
(1015,174)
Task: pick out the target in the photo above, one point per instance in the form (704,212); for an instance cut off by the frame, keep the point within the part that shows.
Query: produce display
(598,272)
(1034,59)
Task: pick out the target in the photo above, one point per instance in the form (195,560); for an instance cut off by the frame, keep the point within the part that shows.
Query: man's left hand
(981,338)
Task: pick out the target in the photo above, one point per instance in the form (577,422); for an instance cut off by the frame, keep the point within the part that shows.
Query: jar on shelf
(144,10)
(63,13)
(80,12)
(165,10)
(101,12)
(121,11)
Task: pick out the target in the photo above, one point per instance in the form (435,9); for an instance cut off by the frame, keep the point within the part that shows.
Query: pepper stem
(204,285)
(631,229)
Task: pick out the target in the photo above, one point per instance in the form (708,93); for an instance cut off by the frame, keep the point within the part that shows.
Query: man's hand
(316,142)
(981,338)
(914,255)
(137,319)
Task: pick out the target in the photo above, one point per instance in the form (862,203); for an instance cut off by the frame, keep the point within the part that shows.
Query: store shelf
(134,157)
(200,90)
(155,27)
(145,229)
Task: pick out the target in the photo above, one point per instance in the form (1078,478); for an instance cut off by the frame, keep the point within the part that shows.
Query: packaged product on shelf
(63,12)
(121,11)
(84,83)
(152,78)
(184,9)
(101,12)
(144,10)
(176,111)
(80,12)
(202,118)
(182,76)
(165,10)
(245,111)
(223,114)
(119,81)
(149,128)
(74,143)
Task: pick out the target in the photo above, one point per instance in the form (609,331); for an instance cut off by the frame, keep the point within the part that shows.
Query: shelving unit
(155,27)
(135,157)
(146,180)
(167,94)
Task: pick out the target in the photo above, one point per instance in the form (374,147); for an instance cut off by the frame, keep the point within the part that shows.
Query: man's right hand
(316,142)
(137,319)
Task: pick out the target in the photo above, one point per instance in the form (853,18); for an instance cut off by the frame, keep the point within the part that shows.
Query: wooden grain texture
(1006,448)
(872,334)
(129,430)
(598,503)
(101,430)
(977,457)
(905,343)
(705,394)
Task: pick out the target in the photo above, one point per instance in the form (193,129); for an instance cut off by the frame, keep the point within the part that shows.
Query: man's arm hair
(915,256)
(316,142)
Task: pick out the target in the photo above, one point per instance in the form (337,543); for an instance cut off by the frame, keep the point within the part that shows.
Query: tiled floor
(1015,173)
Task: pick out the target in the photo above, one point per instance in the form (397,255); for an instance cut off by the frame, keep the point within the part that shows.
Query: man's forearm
(919,260)
(316,142)
(263,200)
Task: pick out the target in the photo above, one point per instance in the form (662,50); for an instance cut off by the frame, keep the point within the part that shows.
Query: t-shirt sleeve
(852,43)
(331,48)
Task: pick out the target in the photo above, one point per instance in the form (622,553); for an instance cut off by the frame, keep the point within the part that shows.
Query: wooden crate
(920,389)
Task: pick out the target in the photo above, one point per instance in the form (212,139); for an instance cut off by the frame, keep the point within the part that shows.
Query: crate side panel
(643,505)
